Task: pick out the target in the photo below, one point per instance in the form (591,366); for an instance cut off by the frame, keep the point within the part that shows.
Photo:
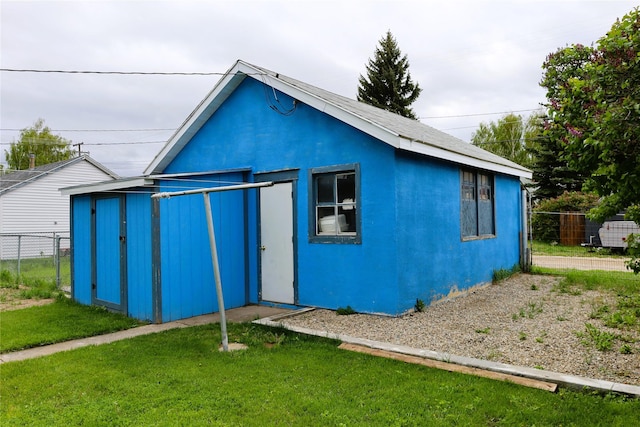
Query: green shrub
(345,311)
(7,280)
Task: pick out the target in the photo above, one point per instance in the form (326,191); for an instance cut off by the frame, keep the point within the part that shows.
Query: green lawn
(62,320)
(179,378)
(542,248)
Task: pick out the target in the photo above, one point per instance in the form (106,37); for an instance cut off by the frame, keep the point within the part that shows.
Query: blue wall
(410,208)
(188,286)
(246,132)
(81,248)
(433,259)
(138,223)
(139,284)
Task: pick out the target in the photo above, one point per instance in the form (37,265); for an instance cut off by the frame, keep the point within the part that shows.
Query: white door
(276,243)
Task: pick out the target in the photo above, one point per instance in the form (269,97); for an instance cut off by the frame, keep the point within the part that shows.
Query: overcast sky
(475,60)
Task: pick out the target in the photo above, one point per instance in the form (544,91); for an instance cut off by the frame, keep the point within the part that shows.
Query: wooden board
(452,367)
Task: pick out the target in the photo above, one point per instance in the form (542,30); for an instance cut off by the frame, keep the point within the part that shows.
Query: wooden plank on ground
(452,367)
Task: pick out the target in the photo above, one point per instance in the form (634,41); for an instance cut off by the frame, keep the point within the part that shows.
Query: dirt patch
(11,299)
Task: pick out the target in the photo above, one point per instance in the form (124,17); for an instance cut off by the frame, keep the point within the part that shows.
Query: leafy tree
(594,113)
(511,137)
(39,141)
(388,83)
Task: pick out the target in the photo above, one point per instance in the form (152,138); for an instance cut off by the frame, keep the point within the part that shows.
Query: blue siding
(140,303)
(245,132)
(108,250)
(188,286)
(81,247)
(433,259)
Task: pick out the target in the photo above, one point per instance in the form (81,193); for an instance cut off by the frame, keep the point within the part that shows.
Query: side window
(477,217)
(335,210)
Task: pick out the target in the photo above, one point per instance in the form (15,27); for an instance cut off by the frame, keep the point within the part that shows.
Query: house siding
(81,249)
(434,261)
(187,283)
(244,132)
(38,207)
(139,267)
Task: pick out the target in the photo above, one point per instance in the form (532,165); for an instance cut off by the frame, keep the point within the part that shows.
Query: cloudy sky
(475,60)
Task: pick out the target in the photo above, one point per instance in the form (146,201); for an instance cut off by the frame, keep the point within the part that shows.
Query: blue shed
(368,209)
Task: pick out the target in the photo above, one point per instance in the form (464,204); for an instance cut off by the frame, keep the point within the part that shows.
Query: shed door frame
(118,245)
(280,177)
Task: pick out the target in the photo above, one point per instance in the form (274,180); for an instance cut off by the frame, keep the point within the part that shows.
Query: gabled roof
(400,132)
(14,180)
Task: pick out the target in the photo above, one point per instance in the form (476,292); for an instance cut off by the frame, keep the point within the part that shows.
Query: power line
(94,130)
(44,142)
(126,73)
(478,114)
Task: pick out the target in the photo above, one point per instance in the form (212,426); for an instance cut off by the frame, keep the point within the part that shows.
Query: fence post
(56,258)
(19,245)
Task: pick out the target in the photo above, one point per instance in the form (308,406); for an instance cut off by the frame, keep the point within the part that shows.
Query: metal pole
(19,247)
(216,272)
(57,261)
(212,240)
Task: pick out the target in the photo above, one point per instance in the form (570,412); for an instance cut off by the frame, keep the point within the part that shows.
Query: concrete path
(242,314)
(580,263)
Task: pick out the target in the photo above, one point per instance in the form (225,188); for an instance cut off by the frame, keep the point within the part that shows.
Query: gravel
(522,321)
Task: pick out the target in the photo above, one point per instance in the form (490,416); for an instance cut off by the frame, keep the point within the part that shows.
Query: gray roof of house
(13,180)
(398,131)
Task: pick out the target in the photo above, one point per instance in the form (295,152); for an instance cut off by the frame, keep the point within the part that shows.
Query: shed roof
(398,131)
(14,180)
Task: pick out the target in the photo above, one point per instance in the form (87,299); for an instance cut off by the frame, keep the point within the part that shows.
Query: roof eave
(105,186)
(429,150)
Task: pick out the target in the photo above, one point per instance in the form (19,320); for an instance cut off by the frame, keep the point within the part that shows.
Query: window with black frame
(335,204)
(476,204)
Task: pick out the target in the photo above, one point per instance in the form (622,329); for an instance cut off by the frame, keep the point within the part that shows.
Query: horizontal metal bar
(166,195)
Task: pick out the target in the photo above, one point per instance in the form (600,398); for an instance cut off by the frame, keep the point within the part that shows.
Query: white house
(31,203)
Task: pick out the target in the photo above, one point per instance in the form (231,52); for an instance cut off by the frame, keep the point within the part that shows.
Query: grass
(62,320)
(35,270)
(542,248)
(623,316)
(179,377)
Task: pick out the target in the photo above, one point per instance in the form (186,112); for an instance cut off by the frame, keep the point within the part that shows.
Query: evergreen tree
(388,83)
(39,141)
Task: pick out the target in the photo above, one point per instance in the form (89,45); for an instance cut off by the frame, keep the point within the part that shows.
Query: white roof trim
(429,150)
(106,186)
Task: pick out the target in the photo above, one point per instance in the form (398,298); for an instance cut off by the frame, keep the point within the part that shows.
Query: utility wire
(94,130)
(126,73)
(478,114)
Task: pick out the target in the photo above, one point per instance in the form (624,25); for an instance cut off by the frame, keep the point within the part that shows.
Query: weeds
(601,340)
(566,287)
(420,305)
(529,311)
(504,273)
(345,311)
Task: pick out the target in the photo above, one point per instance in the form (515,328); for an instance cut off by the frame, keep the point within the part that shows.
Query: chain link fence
(569,240)
(36,256)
